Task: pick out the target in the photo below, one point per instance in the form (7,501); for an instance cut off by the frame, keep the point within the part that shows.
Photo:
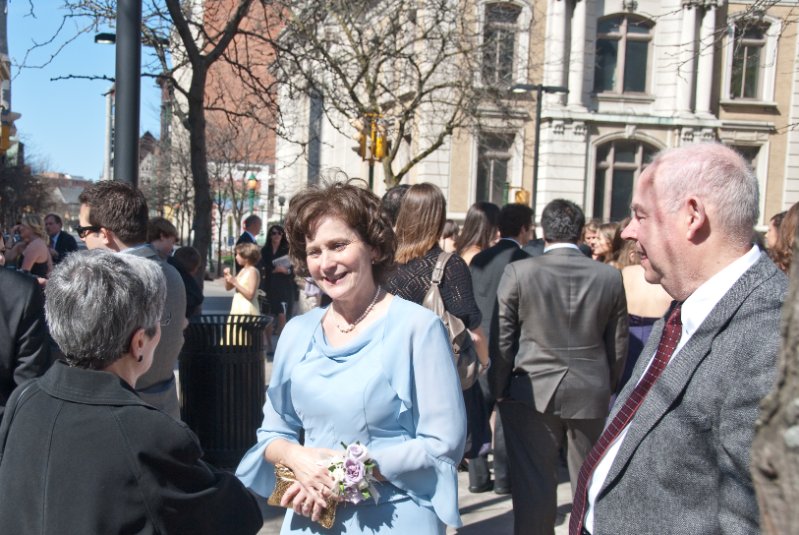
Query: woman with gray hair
(80,452)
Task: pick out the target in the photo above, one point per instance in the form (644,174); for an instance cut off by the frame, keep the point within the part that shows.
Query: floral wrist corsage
(354,474)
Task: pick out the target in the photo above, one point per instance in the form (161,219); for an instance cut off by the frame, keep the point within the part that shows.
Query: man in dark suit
(114,215)
(24,342)
(675,454)
(61,243)
(515,226)
(562,345)
(252,227)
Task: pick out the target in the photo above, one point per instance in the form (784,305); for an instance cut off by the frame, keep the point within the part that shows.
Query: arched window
(499,43)
(622,54)
(618,165)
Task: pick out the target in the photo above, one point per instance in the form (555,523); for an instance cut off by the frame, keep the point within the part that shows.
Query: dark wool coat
(80,452)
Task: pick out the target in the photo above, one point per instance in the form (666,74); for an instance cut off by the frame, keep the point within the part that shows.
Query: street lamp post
(281,200)
(540,89)
(128,91)
(252,185)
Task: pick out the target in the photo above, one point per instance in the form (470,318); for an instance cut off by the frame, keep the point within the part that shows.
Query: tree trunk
(199,164)
(775,451)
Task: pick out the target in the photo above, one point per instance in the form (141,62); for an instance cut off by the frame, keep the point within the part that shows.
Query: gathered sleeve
(280,418)
(432,413)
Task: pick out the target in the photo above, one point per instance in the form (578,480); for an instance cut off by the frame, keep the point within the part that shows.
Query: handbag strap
(438,270)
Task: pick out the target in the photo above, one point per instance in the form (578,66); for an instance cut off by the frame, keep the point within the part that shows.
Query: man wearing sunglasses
(114,215)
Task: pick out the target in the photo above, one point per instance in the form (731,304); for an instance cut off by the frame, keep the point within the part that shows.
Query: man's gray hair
(96,300)
(717,175)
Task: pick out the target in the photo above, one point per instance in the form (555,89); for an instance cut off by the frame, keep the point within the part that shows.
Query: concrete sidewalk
(485,513)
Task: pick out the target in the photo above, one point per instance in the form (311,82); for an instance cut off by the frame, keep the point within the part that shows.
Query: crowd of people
(635,352)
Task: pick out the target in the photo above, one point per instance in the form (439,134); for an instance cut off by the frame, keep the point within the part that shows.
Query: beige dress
(242,306)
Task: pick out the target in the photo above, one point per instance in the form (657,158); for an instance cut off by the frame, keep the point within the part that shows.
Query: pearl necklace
(350,327)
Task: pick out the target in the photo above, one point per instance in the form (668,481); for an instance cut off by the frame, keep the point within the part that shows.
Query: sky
(63,121)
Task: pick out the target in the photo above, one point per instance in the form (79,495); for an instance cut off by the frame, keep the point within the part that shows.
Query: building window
(622,54)
(618,165)
(499,41)
(493,167)
(748,59)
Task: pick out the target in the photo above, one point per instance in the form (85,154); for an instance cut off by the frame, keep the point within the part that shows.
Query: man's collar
(701,302)
(514,240)
(560,245)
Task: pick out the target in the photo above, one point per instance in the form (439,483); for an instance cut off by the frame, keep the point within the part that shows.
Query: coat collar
(675,378)
(90,387)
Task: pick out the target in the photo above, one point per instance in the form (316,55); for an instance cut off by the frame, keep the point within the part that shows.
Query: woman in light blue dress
(369,368)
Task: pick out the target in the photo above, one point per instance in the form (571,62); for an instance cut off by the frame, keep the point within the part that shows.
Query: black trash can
(222,384)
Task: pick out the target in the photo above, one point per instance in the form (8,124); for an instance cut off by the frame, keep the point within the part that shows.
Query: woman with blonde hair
(31,253)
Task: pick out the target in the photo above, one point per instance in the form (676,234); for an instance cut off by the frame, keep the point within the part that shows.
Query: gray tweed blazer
(683,467)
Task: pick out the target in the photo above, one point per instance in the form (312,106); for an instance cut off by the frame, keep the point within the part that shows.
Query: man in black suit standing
(61,243)
(252,227)
(515,229)
(24,343)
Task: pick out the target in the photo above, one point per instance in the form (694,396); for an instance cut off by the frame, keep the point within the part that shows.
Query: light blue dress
(394,389)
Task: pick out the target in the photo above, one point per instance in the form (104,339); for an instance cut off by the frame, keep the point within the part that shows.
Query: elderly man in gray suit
(562,345)
(114,215)
(674,457)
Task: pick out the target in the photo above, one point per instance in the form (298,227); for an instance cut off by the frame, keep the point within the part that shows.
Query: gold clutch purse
(284,477)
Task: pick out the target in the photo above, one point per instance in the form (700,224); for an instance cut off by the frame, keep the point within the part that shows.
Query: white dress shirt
(694,311)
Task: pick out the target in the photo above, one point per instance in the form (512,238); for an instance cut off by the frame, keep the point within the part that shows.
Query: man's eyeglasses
(83,231)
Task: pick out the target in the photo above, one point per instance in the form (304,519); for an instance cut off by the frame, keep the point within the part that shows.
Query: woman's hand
(280,269)
(308,464)
(306,502)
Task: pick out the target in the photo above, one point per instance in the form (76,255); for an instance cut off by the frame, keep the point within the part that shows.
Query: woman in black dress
(277,278)
(419,224)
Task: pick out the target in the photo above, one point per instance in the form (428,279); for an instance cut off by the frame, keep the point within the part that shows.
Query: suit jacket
(157,386)
(487,268)
(534,247)
(245,238)
(64,245)
(562,329)
(24,342)
(80,452)
(683,466)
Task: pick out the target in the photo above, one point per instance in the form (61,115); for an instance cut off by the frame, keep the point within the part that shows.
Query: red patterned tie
(668,343)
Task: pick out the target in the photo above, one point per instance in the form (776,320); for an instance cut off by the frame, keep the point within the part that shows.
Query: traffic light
(378,139)
(360,137)
(5,138)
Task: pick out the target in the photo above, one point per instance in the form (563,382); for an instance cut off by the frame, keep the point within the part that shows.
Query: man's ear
(110,239)
(695,217)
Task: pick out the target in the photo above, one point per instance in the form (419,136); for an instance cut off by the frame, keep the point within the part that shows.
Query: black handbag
(462,345)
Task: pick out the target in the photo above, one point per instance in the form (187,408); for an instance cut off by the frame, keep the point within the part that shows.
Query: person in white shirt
(678,461)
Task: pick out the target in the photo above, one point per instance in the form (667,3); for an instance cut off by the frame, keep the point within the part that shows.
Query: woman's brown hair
(359,208)
(782,253)
(421,219)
